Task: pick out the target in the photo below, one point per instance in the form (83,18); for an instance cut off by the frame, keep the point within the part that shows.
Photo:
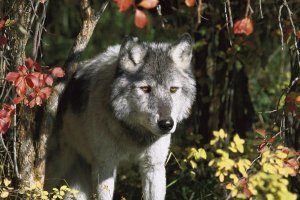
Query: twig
(248,9)
(227,19)
(15,146)
(6,150)
(294,30)
(199,10)
(38,32)
(90,19)
(101,11)
(260,10)
(229,13)
(280,26)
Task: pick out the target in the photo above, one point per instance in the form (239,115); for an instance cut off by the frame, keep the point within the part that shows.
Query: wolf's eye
(173,89)
(146,89)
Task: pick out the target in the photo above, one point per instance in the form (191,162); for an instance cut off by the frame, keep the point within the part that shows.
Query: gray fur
(104,116)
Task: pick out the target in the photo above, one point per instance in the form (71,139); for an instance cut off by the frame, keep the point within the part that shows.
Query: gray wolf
(123,104)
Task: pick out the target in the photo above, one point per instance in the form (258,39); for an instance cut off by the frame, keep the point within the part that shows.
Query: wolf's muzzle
(166,124)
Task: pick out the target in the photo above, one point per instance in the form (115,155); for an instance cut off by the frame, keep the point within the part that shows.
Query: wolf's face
(154,88)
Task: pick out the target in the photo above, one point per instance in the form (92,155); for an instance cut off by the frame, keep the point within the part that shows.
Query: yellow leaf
(4,194)
(269,168)
(211,162)
(238,140)
(222,153)
(270,197)
(232,147)
(193,164)
(6,182)
(234,178)
(213,141)
(201,153)
(64,188)
(221,178)
(281,155)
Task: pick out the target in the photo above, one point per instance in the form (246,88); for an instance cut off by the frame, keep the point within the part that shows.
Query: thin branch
(101,11)
(294,30)
(280,26)
(199,12)
(249,9)
(15,156)
(260,10)
(6,150)
(229,13)
(227,22)
(89,21)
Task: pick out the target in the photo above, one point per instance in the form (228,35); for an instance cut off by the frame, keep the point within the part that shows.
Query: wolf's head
(154,86)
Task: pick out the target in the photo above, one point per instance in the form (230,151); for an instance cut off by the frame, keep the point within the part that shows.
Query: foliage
(34,192)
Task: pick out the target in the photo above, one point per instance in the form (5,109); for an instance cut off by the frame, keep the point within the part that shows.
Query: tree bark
(21,11)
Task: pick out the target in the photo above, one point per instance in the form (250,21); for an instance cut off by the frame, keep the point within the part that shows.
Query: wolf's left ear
(131,54)
(181,51)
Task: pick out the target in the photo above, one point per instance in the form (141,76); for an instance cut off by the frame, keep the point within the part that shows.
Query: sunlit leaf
(148,4)
(140,18)
(261,131)
(4,194)
(57,71)
(6,182)
(243,26)
(190,3)
(124,4)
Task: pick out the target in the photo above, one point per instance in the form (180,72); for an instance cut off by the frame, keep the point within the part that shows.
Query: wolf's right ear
(182,50)
(131,54)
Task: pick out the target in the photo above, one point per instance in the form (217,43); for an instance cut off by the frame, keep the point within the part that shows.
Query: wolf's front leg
(152,168)
(103,177)
(154,182)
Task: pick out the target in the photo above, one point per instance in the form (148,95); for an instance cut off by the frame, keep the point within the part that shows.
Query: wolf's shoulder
(99,62)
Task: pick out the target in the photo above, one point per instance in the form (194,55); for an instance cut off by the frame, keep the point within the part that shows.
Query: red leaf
(243,26)
(22,69)
(10,109)
(247,192)
(18,99)
(32,81)
(37,66)
(190,3)
(48,80)
(57,71)
(5,117)
(123,4)
(148,4)
(3,40)
(242,182)
(271,140)
(21,87)
(47,91)
(2,23)
(4,125)
(261,131)
(12,76)
(140,19)
(29,63)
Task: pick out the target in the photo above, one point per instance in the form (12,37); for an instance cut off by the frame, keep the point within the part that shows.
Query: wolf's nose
(166,125)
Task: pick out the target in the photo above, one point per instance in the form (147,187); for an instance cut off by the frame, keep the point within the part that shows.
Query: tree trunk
(21,11)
